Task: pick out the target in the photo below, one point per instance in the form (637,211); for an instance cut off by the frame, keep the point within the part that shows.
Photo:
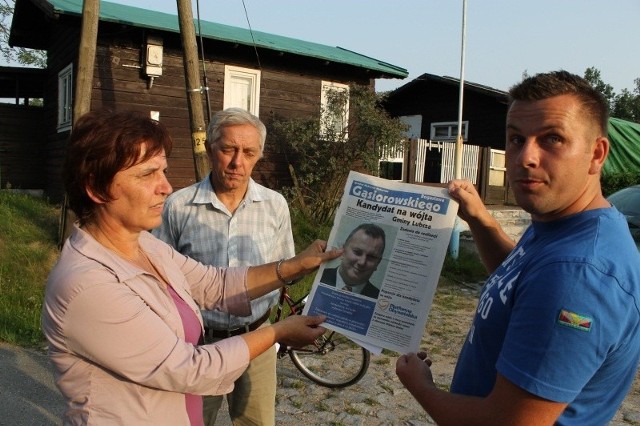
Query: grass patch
(387,388)
(370,401)
(28,250)
(466,268)
(381,360)
(322,406)
(297,384)
(353,411)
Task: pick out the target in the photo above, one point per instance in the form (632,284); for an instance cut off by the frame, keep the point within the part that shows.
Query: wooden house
(22,158)
(429,106)
(139,65)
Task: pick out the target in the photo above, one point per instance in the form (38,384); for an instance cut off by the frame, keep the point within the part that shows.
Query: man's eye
(516,140)
(552,139)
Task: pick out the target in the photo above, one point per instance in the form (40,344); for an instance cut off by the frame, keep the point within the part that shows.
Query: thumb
(332,253)
(315,320)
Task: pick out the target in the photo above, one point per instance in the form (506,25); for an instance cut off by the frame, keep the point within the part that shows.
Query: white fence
(393,153)
(470,155)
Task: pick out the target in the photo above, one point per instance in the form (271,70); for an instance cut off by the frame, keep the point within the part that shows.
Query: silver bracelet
(279,274)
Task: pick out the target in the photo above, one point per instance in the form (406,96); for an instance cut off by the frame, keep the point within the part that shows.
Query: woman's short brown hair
(101,144)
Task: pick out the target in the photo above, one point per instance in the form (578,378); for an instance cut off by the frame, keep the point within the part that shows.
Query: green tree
(592,75)
(627,104)
(37,58)
(320,151)
(624,105)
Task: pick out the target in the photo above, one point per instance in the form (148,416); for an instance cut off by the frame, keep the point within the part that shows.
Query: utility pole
(82,90)
(194,92)
(86,58)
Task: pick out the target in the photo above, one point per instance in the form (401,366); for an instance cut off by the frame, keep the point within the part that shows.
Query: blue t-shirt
(560,318)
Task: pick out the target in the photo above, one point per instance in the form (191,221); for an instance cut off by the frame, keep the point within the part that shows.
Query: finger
(400,362)
(334,252)
(321,317)
(454,184)
(316,319)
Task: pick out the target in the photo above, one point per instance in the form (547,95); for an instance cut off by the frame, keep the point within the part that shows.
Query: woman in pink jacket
(122,309)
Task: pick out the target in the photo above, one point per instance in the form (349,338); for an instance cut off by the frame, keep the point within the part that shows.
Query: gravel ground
(28,395)
(379,398)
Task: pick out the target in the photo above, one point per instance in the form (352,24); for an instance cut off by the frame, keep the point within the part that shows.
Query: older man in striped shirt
(227,219)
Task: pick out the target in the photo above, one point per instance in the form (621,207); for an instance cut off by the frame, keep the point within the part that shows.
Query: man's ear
(600,151)
(209,150)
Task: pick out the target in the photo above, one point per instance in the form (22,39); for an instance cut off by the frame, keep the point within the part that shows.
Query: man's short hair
(546,85)
(234,117)
(372,230)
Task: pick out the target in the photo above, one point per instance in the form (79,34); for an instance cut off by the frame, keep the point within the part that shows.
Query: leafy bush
(616,181)
(306,232)
(320,151)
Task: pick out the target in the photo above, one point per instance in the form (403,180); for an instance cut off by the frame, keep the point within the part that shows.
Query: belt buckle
(238,331)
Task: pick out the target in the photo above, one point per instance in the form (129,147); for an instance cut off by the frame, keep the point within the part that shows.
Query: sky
(504,38)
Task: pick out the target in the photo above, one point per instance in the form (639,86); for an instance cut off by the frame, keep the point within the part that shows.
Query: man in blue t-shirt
(556,334)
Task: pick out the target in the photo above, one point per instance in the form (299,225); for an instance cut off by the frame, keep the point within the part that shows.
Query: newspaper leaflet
(395,235)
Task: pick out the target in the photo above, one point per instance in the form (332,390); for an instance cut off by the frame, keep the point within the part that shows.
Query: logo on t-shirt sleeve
(573,320)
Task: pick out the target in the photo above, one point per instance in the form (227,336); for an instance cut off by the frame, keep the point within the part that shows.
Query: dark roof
(137,17)
(425,79)
(20,82)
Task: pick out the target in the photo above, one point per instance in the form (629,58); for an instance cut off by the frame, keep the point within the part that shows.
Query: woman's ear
(89,190)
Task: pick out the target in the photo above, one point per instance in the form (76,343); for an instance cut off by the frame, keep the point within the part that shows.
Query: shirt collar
(206,195)
(340,284)
(86,245)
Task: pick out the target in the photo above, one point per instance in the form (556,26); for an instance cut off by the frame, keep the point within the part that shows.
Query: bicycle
(319,360)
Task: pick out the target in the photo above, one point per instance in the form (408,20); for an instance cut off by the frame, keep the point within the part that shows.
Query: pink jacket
(116,338)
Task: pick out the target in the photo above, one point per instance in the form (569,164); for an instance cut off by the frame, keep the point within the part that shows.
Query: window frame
(65,98)
(326,86)
(452,130)
(232,72)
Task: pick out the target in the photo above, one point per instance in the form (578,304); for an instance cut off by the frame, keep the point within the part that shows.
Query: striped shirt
(198,225)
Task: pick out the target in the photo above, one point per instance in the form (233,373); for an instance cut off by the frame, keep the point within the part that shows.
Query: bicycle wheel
(333,360)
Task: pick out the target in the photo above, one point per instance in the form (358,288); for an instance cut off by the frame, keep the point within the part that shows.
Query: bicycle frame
(295,308)
(337,349)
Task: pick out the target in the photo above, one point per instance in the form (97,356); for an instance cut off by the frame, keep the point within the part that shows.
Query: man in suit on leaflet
(363,251)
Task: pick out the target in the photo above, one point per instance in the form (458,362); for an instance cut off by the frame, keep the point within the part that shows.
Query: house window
(65,98)
(448,131)
(242,89)
(334,121)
